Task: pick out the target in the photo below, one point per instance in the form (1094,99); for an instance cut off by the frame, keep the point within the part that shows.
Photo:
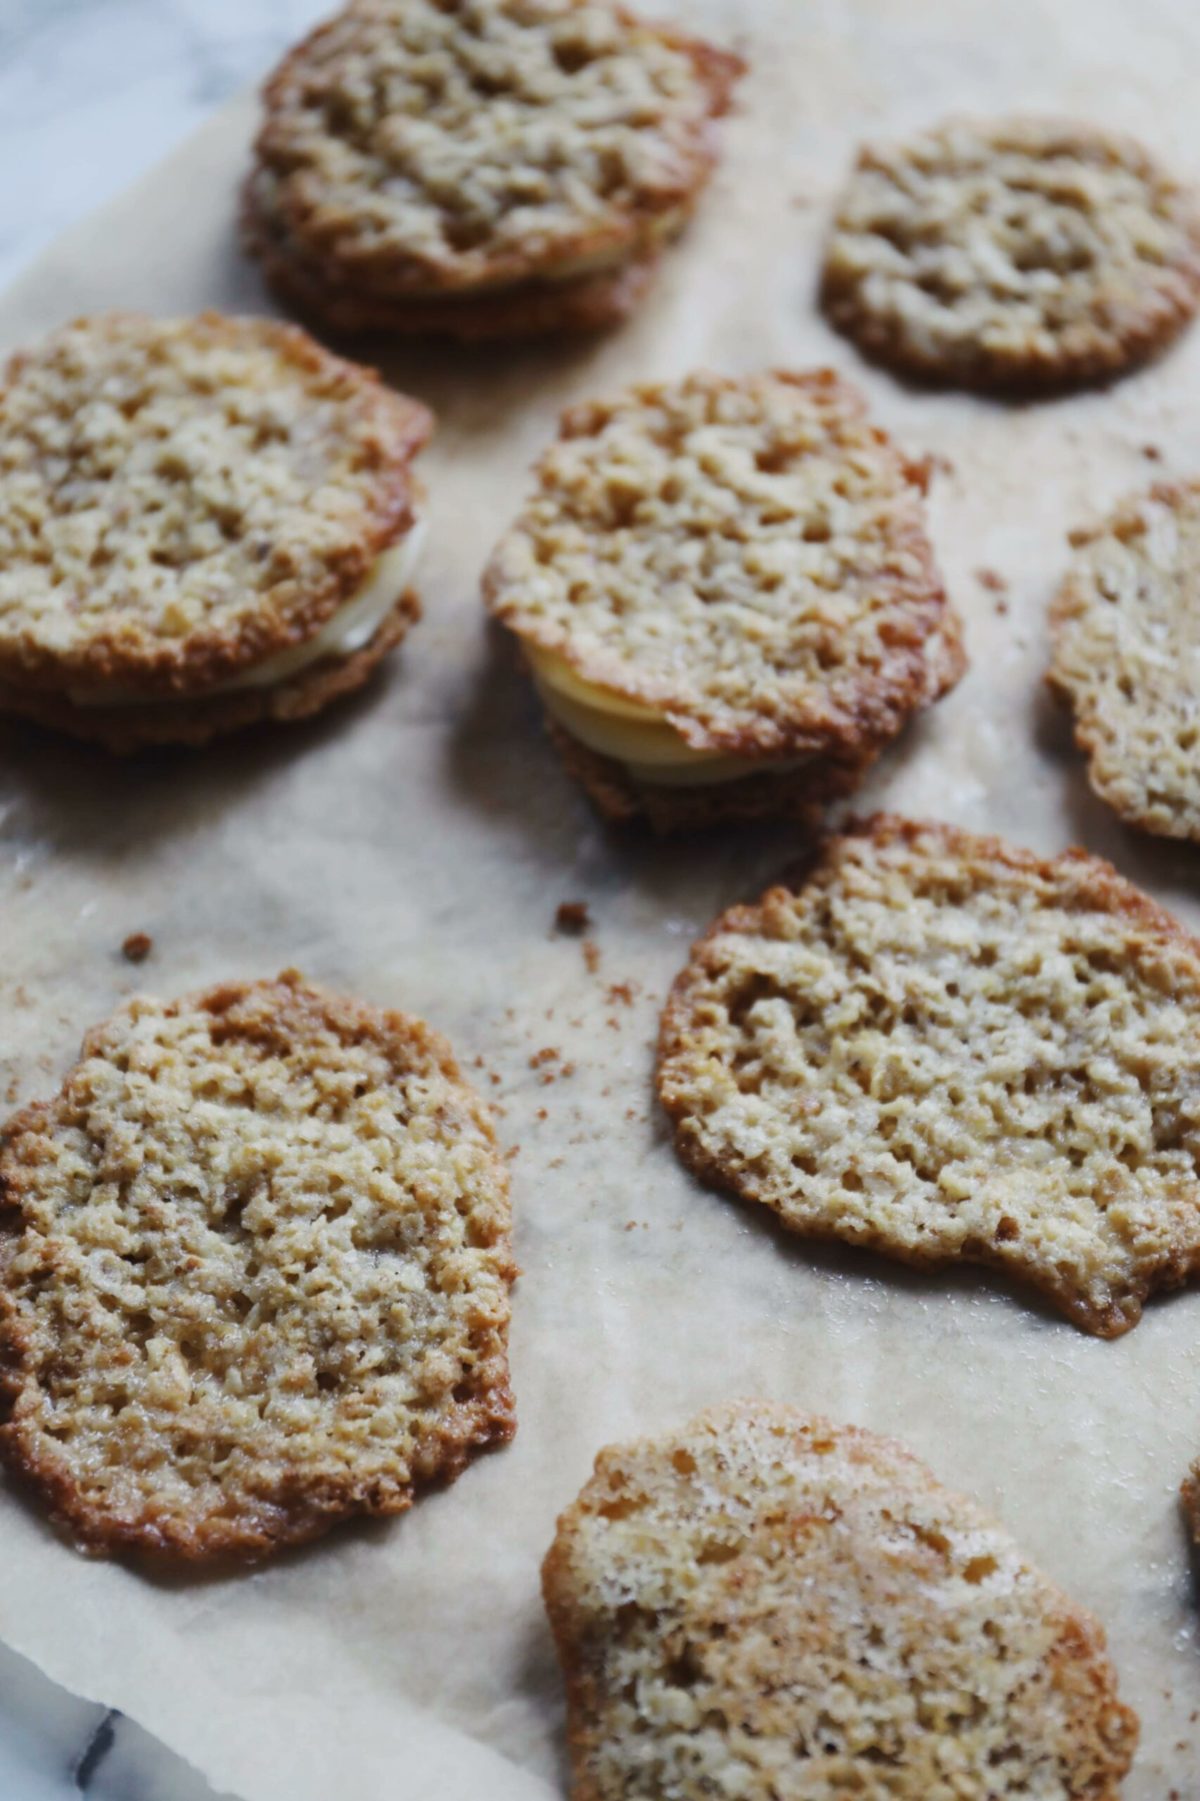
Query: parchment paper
(412,847)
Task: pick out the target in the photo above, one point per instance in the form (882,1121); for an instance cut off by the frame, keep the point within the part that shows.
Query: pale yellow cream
(631,733)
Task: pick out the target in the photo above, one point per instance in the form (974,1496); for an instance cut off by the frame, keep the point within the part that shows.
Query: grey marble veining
(55,1747)
(92,92)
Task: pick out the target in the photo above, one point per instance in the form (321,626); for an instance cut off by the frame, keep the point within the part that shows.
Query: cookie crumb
(1152,453)
(572,916)
(137,947)
(992,580)
(591,955)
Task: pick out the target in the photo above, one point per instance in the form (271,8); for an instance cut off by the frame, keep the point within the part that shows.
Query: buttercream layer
(344,634)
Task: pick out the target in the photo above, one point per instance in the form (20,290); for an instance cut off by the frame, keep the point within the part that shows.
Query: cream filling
(645,744)
(348,630)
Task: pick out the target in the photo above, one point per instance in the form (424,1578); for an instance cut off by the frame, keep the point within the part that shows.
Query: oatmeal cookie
(254,1274)
(1013,253)
(768,1606)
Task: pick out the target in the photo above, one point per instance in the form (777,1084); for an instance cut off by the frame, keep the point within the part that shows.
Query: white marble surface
(92,92)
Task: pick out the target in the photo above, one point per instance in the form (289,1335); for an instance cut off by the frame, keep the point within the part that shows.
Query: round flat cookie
(480,167)
(768,1606)
(197,515)
(727,578)
(942,1048)
(1013,253)
(1126,632)
(254,1274)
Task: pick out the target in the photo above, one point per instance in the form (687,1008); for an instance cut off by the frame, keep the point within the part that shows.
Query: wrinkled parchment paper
(412,847)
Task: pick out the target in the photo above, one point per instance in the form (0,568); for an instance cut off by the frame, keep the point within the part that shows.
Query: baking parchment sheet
(412,847)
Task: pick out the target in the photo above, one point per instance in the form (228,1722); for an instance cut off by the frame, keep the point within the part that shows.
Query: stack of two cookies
(204,523)
(487,169)
(726,595)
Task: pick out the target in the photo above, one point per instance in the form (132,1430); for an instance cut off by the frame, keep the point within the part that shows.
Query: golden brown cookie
(1013,253)
(1126,632)
(480,168)
(768,1606)
(254,1274)
(203,522)
(944,1049)
(724,587)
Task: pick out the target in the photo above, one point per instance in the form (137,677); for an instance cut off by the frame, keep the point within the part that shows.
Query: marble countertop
(92,92)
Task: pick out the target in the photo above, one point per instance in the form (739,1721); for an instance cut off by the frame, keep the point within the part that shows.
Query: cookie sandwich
(205,523)
(726,595)
(1017,253)
(480,168)
(763,1604)
(254,1274)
